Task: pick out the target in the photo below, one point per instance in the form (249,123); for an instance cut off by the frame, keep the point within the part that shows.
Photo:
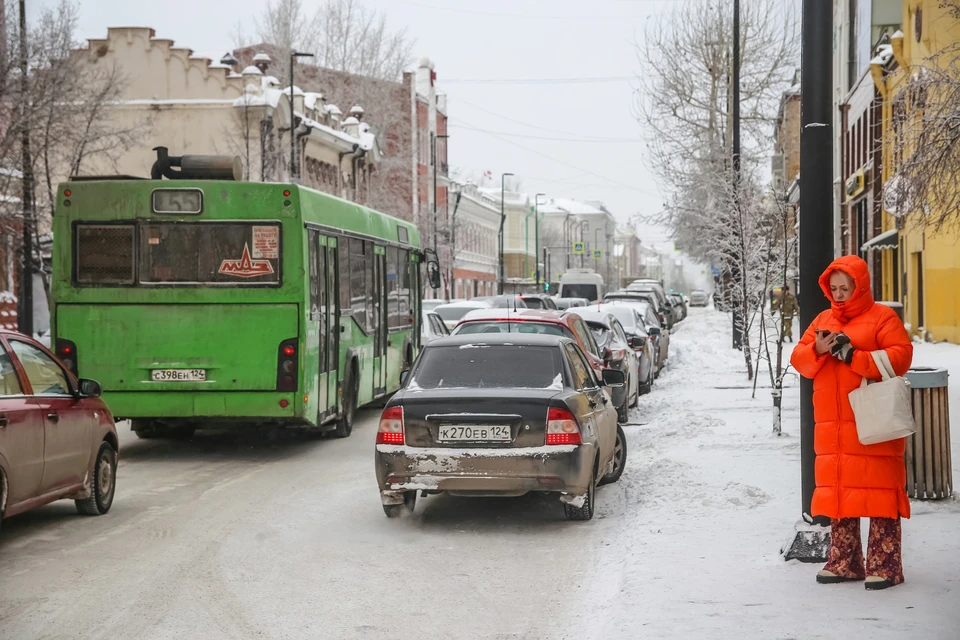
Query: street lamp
(536,238)
(503,218)
(583,223)
(293,133)
(435,158)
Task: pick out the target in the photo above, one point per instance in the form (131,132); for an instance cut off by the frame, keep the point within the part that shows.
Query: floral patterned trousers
(883,549)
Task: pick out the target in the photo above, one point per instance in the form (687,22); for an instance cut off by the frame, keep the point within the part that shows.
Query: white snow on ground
(712,495)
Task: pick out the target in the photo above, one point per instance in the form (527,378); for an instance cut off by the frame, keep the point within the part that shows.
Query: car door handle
(53,417)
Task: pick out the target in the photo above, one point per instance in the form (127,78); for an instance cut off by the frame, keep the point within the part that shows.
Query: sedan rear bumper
(483,472)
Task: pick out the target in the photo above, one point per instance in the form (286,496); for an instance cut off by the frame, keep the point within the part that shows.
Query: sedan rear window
(451,314)
(541,328)
(488,366)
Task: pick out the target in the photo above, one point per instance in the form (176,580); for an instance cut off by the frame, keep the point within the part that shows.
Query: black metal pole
(536,233)
(293,128)
(503,218)
(25,299)
(816,219)
(737,318)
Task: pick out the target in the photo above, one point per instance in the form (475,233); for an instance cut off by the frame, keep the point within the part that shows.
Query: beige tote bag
(883,409)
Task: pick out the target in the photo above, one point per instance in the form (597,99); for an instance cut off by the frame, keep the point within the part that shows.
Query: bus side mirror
(433,274)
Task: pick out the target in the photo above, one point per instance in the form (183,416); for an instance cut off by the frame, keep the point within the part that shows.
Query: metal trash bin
(928,456)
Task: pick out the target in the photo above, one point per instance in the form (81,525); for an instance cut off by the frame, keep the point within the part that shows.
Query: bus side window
(373,304)
(393,287)
(359,264)
(315,281)
(343,250)
(405,293)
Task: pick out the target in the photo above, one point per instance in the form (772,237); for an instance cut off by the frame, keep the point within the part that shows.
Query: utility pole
(294,168)
(453,240)
(536,233)
(812,540)
(503,218)
(25,299)
(736,274)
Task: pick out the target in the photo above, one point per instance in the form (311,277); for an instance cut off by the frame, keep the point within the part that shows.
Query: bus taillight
(67,352)
(287,365)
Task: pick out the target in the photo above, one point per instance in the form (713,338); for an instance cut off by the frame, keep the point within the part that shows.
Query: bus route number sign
(266,243)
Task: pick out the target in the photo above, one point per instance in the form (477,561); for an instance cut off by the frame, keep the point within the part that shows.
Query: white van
(582,283)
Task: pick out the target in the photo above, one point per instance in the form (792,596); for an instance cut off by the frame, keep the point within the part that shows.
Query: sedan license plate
(178,375)
(474,433)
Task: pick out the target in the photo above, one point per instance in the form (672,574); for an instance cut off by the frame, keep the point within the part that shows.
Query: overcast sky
(567,139)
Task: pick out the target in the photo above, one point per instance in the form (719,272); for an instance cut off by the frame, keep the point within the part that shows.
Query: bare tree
(344,34)
(65,113)
(926,139)
(684,105)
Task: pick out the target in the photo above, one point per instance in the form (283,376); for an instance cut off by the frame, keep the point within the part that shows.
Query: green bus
(204,299)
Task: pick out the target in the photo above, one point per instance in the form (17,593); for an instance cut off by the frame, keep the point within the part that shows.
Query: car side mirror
(636,342)
(403,377)
(613,378)
(654,331)
(90,388)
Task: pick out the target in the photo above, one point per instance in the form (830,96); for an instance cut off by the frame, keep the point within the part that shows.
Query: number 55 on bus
(203,300)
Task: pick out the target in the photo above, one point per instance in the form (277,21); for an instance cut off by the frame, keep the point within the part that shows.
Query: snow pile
(709,495)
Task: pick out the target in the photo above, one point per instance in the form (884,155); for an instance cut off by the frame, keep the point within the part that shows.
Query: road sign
(578,248)
(597,254)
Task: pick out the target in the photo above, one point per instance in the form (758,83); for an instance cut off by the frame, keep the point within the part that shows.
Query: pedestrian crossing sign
(597,254)
(578,248)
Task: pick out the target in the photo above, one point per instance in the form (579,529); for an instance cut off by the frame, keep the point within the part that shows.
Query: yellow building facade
(922,271)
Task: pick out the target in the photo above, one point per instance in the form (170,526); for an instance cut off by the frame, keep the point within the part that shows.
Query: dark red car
(57,437)
(558,323)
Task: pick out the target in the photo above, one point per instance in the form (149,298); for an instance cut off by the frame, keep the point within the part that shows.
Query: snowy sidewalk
(711,495)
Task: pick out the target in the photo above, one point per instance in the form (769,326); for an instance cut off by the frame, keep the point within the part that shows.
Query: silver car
(501,415)
(432,327)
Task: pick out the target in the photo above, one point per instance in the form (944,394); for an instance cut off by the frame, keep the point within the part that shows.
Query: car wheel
(145,429)
(104,483)
(351,386)
(397,510)
(619,458)
(584,512)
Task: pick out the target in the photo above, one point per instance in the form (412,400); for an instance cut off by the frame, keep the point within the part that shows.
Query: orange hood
(862,299)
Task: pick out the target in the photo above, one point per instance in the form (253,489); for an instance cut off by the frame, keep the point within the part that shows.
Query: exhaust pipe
(195,167)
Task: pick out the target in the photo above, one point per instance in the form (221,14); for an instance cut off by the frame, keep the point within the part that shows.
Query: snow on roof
(364,142)
(297,91)
(351,120)
(333,109)
(793,91)
(897,34)
(357,109)
(574,206)
(252,71)
(234,74)
(269,82)
(884,53)
(311,98)
(262,57)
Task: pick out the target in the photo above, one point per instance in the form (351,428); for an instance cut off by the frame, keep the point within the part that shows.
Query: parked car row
(520,400)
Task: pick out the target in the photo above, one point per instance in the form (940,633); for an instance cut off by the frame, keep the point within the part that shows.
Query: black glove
(843,350)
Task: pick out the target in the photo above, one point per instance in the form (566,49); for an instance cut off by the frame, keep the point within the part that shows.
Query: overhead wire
(456,124)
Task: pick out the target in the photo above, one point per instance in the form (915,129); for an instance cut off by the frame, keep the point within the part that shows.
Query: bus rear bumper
(266,405)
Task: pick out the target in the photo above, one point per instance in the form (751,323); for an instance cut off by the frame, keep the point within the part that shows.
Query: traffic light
(546,286)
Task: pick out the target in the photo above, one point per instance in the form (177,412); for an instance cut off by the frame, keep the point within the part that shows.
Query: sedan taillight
(391,426)
(562,427)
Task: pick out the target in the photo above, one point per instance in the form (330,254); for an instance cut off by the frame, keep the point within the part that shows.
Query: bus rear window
(104,254)
(210,253)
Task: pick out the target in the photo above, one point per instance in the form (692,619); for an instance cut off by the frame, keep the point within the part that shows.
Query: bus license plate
(474,433)
(178,375)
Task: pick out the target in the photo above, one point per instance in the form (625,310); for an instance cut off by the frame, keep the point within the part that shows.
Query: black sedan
(501,415)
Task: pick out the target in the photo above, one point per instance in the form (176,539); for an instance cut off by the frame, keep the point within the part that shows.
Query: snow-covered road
(238,536)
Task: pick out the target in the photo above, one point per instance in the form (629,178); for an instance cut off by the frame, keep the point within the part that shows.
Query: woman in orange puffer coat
(854,480)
